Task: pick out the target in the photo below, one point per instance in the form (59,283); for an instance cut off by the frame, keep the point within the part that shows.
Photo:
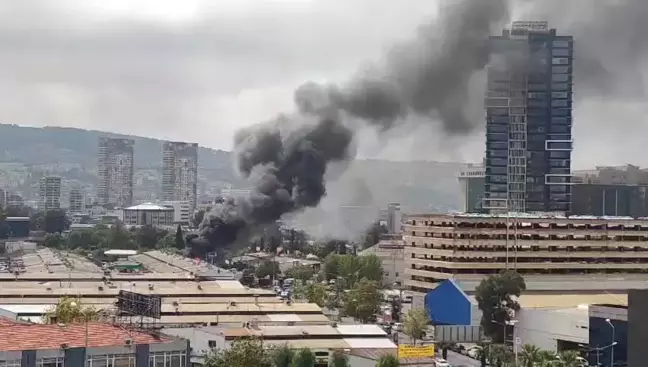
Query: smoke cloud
(287,158)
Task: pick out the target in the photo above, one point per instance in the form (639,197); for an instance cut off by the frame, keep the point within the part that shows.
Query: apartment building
(529,120)
(180,172)
(115,171)
(472,246)
(49,193)
(471,184)
(77,201)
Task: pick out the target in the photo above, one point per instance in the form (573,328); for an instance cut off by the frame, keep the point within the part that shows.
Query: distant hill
(71,152)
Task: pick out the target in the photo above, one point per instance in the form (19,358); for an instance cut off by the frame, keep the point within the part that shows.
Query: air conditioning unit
(128,341)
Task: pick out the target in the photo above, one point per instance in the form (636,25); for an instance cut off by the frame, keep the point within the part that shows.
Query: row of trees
(102,237)
(529,356)
(252,352)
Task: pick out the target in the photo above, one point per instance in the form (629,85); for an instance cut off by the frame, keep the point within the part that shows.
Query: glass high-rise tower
(529,120)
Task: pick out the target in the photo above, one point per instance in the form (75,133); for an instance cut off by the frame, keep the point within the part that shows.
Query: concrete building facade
(180,172)
(529,120)
(390,251)
(115,162)
(182,211)
(49,193)
(439,247)
(149,214)
(77,201)
(471,183)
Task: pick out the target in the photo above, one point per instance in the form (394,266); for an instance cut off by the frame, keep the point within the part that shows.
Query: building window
(13,363)
(560,70)
(560,61)
(562,44)
(559,103)
(111,360)
(167,359)
(560,52)
(559,94)
(560,78)
(50,362)
(559,86)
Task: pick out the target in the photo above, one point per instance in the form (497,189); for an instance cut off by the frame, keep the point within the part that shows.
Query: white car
(440,362)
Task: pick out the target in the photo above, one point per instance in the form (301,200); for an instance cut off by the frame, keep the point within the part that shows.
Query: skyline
(126,68)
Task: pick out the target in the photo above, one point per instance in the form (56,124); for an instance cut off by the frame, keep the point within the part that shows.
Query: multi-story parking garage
(471,246)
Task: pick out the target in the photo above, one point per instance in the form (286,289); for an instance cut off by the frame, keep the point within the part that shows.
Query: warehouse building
(91,344)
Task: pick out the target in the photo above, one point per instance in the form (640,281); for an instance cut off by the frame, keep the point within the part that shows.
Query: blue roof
(448,304)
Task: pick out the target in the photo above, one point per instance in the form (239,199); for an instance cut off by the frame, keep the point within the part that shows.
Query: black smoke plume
(287,158)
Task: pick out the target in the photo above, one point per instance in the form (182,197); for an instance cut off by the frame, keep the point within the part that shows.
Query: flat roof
(529,216)
(17,337)
(150,207)
(120,252)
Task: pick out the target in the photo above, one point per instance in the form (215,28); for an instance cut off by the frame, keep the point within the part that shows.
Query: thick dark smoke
(287,158)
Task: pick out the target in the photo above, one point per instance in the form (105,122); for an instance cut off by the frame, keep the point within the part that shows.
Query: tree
(363,301)
(570,358)
(332,266)
(548,358)
(69,311)
(338,359)
(494,297)
(388,360)
(301,272)
(166,242)
(500,355)
(282,356)
(179,240)
(415,323)
(242,353)
(146,237)
(316,293)
(304,358)
(371,267)
(120,238)
(349,269)
(55,240)
(529,355)
(267,268)
(4,227)
(198,218)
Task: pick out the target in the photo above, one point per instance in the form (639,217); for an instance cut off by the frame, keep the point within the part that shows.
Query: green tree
(242,353)
(388,360)
(548,358)
(316,293)
(332,266)
(4,227)
(282,356)
(501,355)
(371,267)
(198,218)
(338,359)
(363,301)
(529,355)
(301,272)
(120,238)
(569,358)
(166,242)
(55,240)
(415,323)
(179,239)
(146,237)
(304,358)
(267,268)
(349,270)
(70,310)
(494,297)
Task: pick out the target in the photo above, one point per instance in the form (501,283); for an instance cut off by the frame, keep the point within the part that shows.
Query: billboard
(458,334)
(137,304)
(416,351)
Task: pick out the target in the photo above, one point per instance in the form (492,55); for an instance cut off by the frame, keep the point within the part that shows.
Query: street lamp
(613,342)
(598,351)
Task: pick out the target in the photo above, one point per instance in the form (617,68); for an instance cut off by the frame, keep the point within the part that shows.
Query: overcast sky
(198,70)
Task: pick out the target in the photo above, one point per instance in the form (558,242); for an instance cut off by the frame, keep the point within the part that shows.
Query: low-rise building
(472,246)
(182,212)
(149,214)
(390,251)
(89,344)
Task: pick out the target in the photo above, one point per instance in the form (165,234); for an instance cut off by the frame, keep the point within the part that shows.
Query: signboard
(416,351)
(531,25)
(137,304)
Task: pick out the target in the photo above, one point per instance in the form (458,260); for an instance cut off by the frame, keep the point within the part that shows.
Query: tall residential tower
(529,120)
(180,172)
(115,171)
(50,193)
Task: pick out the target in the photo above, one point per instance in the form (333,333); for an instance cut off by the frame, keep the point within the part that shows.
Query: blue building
(529,121)
(448,304)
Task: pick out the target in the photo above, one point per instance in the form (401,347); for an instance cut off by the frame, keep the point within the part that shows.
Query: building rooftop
(120,252)
(519,215)
(149,206)
(17,337)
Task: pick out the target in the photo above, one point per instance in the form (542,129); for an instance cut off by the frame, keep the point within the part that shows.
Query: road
(460,360)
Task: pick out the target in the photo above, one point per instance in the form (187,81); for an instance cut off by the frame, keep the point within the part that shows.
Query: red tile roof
(5,321)
(35,336)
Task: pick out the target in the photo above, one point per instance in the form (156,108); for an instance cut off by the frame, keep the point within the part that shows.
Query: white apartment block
(50,193)
(115,171)
(182,213)
(180,172)
(77,201)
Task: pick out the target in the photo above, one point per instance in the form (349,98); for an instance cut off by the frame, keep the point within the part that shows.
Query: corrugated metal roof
(370,343)
(149,206)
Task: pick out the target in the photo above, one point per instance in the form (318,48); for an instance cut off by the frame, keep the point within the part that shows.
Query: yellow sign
(411,351)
